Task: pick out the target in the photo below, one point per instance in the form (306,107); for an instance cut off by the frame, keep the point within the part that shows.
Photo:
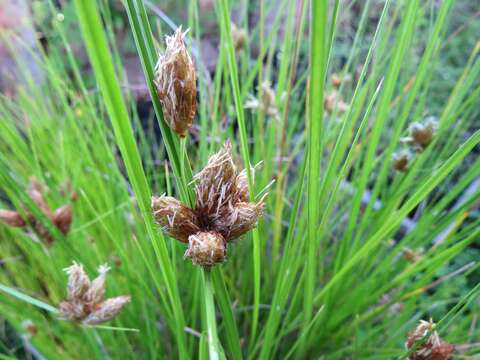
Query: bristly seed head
(85,301)
(206,248)
(432,348)
(421,135)
(222,210)
(175,83)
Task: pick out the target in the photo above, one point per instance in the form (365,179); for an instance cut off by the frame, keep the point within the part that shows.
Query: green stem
(213,343)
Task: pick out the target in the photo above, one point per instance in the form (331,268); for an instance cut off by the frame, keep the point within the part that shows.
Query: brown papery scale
(175,83)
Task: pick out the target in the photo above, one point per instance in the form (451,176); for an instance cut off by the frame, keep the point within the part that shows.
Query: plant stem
(213,343)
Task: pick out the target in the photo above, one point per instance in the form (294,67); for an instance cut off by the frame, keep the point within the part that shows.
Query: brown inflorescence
(223,211)
(401,160)
(175,83)
(86,301)
(430,348)
(61,217)
(421,135)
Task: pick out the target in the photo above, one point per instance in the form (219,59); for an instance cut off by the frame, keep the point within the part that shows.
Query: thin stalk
(213,343)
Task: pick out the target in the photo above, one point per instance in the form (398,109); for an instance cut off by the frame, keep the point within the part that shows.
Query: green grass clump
(350,253)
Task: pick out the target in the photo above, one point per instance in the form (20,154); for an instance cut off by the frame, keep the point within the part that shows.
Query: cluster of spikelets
(86,303)
(426,344)
(222,211)
(61,217)
(175,84)
(419,137)
(266,103)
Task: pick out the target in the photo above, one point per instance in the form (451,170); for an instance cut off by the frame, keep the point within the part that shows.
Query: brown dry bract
(86,301)
(432,348)
(222,212)
(175,82)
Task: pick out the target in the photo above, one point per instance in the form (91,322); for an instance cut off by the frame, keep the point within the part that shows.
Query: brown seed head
(107,310)
(86,301)
(12,218)
(78,281)
(401,160)
(175,82)
(222,213)
(421,135)
(239,37)
(206,248)
(240,219)
(96,292)
(432,348)
(62,218)
(177,220)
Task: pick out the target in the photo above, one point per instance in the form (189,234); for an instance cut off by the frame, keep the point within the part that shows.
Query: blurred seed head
(421,135)
(401,160)
(78,281)
(239,37)
(432,348)
(266,103)
(206,248)
(175,83)
(85,301)
(62,218)
(12,218)
(107,310)
(334,101)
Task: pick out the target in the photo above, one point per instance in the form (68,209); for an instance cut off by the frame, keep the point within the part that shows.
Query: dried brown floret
(401,160)
(107,310)
(61,217)
(239,37)
(421,135)
(177,220)
(432,348)
(222,210)
(12,218)
(266,103)
(85,301)
(175,83)
(206,248)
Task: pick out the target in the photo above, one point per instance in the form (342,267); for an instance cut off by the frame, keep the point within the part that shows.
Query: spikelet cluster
(266,103)
(222,212)
(61,217)
(175,83)
(86,301)
(421,135)
(432,348)
(401,160)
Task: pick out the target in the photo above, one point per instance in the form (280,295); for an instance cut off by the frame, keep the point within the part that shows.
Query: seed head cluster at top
(222,211)
(175,83)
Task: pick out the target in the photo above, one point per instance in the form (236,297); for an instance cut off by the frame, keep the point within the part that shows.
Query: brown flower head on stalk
(222,212)
(429,347)
(175,83)
(86,301)
(421,135)
(61,217)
